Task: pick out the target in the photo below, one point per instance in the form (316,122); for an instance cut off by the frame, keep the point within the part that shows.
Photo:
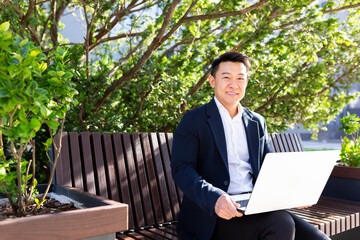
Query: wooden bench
(135,169)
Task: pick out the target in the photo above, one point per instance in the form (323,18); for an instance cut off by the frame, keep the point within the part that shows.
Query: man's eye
(241,79)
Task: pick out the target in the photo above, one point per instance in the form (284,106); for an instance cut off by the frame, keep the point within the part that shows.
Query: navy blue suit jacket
(200,166)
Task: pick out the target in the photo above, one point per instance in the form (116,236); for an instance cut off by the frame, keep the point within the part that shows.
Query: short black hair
(230,57)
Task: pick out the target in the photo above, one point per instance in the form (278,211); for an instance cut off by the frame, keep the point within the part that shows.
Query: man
(217,151)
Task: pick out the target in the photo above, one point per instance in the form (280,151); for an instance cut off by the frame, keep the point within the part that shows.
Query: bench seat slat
(151,233)
(162,233)
(132,235)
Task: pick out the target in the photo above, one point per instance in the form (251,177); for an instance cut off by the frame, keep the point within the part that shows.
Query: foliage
(31,94)
(142,64)
(350,147)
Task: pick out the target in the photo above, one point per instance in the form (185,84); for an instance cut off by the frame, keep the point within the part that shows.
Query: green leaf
(41,91)
(61,51)
(2,171)
(20,98)
(48,142)
(4,76)
(54,80)
(61,73)
(35,124)
(4,93)
(22,115)
(33,86)
(42,66)
(41,56)
(44,111)
(23,52)
(5,26)
(23,42)
(52,124)
(14,61)
(34,52)
(28,60)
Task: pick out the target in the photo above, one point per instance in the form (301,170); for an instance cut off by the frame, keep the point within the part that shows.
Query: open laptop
(287,180)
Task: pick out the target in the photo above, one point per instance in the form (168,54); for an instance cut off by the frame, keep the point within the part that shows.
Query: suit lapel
(252,136)
(217,129)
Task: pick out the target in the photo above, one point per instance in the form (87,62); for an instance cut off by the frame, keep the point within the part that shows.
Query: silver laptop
(287,180)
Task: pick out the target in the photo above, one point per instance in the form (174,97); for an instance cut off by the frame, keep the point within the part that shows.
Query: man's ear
(212,81)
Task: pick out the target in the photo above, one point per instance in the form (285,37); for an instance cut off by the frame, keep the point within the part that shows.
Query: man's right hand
(225,207)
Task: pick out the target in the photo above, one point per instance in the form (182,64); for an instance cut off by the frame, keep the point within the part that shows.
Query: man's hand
(225,207)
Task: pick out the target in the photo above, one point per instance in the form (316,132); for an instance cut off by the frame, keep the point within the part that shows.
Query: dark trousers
(278,225)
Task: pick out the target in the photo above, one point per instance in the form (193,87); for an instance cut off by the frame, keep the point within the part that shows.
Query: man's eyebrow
(225,73)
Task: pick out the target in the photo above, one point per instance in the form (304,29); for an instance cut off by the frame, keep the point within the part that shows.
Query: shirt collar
(223,109)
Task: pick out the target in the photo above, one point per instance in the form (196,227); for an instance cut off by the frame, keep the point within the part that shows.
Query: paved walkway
(321,145)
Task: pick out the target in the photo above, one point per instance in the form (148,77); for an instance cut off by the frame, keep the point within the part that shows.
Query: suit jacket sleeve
(184,166)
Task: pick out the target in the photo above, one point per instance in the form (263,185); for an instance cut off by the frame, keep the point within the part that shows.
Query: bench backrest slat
(134,169)
(64,176)
(151,175)
(99,165)
(141,175)
(124,188)
(87,159)
(133,181)
(110,166)
(76,165)
(161,178)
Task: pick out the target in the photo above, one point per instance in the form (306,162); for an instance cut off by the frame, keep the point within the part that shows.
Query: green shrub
(350,147)
(35,91)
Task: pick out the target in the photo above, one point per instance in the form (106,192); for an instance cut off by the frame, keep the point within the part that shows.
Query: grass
(322,149)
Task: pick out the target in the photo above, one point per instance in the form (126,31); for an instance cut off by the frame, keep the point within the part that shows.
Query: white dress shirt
(240,170)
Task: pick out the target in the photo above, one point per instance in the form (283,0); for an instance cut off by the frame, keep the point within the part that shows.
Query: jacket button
(226,183)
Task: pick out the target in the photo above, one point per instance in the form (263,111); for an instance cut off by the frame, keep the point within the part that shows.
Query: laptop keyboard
(243,203)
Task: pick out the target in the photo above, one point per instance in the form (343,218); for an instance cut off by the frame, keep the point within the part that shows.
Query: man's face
(229,83)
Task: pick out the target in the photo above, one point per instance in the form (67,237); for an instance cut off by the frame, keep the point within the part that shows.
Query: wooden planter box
(346,172)
(101,217)
(344,183)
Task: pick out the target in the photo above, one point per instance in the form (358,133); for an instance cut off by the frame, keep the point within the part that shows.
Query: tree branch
(123,35)
(143,98)
(228,14)
(118,15)
(54,25)
(344,75)
(154,45)
(88,38)
(130,53)
(342,8)
(274,96)
(143,8)
(284,26)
